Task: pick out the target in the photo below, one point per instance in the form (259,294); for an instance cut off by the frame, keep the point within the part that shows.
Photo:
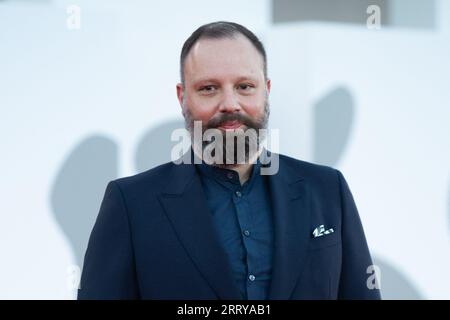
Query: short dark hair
(219,30)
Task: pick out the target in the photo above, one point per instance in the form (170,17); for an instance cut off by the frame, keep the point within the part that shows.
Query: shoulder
(320,179)
(308,170)
(155,179)
(149,181)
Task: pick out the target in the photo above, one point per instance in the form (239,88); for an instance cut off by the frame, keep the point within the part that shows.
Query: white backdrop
(397,154)
(81,107)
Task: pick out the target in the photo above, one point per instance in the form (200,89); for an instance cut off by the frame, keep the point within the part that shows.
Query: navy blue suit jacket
(154,239)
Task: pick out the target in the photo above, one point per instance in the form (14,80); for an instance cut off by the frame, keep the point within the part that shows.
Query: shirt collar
(227,177)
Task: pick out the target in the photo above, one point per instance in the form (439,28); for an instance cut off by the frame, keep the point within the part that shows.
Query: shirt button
(230,175)
(251,277)
(238,193)
(246,233)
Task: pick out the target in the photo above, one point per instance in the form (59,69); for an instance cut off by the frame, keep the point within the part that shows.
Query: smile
(230,125)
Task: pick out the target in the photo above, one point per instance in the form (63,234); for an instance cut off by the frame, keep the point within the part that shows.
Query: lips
(230,125)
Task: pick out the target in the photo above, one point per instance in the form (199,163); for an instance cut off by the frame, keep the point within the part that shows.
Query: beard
(228,148)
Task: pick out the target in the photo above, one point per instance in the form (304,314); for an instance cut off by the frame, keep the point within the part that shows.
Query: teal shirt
(242,217)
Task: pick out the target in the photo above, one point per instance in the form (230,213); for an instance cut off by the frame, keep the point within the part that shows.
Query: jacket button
(251,277)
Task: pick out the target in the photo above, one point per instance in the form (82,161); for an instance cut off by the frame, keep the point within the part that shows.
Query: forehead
(224,58)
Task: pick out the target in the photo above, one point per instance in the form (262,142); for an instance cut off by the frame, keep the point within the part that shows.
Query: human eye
(208,89)
(246,87)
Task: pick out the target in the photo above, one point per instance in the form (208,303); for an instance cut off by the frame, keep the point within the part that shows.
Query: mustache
(221,119)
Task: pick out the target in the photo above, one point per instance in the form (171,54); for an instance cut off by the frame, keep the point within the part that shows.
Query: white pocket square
(320,231)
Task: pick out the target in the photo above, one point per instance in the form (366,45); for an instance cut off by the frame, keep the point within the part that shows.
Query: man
(218,228)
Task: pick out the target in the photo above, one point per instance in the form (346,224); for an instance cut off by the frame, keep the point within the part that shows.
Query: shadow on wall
(80,183)
(394,13)
(334,116)
(395,285)
(333,122)
(79,187)
(155,146)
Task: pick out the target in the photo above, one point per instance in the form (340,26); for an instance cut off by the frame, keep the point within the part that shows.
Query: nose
(229,102)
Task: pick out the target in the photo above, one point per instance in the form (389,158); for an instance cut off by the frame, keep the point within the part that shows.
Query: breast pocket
(324,241)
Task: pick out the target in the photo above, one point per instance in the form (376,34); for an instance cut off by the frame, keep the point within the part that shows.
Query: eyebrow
(214,80)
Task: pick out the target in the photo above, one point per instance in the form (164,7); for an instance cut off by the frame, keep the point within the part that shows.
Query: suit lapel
(185,204)
(291,214)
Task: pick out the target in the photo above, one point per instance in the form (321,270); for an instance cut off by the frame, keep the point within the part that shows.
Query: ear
(268,85)
(180,93)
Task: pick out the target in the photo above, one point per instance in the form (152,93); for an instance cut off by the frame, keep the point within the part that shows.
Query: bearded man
(232,220)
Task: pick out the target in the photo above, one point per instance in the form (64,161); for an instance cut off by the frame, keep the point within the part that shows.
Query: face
(225,87)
